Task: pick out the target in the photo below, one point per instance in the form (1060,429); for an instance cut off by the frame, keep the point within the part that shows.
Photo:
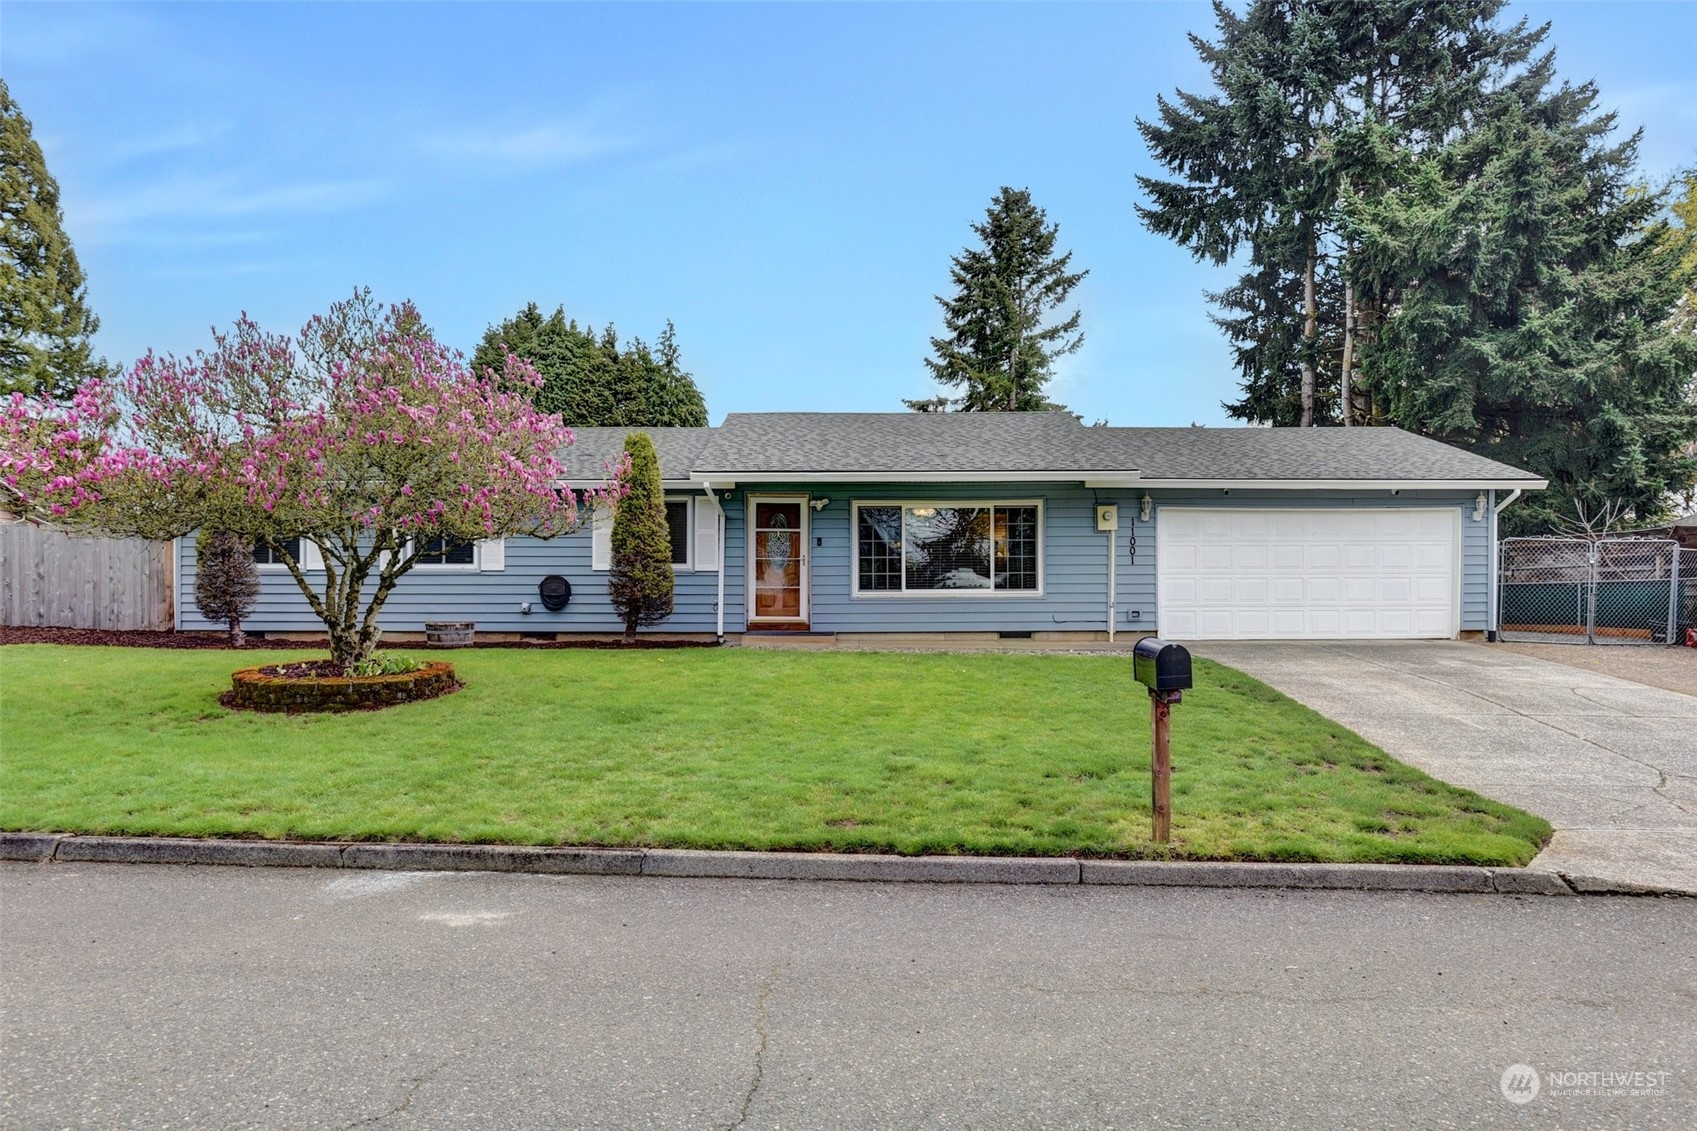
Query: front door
(778,559)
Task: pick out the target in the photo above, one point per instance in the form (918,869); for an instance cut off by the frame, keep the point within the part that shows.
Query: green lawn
(726,748)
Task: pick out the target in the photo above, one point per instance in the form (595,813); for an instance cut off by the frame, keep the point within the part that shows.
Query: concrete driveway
(1610,763)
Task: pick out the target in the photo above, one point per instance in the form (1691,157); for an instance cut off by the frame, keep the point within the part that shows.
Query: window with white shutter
(601,539)
(706,535)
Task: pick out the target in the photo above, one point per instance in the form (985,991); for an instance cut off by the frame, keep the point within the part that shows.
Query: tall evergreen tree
(1313,99)
(641,582)
(998,348)
(45,323)
(1682,234)
(1535,297)
(592,381)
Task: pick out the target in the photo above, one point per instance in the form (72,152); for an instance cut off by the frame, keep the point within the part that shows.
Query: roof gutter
(725,479)
(1518,485)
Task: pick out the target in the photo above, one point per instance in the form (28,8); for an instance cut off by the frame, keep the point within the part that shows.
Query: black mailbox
(555,591)
(1161,666)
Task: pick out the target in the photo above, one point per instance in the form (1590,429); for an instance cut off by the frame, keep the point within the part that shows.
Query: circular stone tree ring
(271,689)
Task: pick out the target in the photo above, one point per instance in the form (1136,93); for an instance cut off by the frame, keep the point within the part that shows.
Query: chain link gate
(1596,591)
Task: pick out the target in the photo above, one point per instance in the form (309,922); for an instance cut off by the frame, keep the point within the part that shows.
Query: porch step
(755,638)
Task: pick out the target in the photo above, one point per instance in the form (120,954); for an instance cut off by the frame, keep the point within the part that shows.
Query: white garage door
(1306,574)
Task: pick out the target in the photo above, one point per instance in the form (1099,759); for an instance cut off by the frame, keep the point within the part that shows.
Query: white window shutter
(601,539)
(492,555)
(312,558)
(706,535)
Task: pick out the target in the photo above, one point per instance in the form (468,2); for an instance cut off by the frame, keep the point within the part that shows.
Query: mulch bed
(136,638)
(305,669)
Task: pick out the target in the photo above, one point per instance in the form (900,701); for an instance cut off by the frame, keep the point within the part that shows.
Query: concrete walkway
(1610,763)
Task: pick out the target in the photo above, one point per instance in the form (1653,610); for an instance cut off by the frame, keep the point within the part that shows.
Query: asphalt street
(157,996)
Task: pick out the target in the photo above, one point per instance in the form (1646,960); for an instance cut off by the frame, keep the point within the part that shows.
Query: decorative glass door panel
(780,559)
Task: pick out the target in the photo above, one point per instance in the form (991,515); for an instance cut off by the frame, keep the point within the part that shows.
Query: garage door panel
(1215,557)
(1218,525)
(1181,623)
(1358,590)
(1313,573)
(1431,624)
(1432,556)
(1325,590)
(1183,592)
(1395,590)
(1393,555)
(1432,589)
(1324,555)
(1215,624)
(1214,590)
(1318,623)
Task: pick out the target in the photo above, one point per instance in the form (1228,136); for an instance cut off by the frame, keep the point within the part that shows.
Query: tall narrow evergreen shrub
(640,585)
(226,582)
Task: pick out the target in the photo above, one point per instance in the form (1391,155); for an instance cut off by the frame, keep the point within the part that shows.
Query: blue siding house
(1015,524)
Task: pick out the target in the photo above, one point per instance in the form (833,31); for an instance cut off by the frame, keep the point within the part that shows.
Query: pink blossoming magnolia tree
(362,436)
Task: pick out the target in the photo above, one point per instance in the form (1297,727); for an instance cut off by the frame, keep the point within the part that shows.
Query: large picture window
(947,548)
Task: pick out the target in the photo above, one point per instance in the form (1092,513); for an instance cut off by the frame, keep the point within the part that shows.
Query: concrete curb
(691,863)
(857,866)
(494,858)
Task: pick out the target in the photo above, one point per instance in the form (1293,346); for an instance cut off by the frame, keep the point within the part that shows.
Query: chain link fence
(1596,591)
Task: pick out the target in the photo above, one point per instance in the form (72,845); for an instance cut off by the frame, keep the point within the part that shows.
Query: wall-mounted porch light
(1479,508)
(1147,509)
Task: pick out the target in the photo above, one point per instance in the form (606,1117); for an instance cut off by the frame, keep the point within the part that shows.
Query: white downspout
(1112,589)
(1496,560)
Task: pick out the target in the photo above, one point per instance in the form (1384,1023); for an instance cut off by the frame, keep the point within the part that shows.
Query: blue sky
(785,182)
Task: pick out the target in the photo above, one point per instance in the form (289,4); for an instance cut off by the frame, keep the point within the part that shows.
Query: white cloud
(180,139)
(60,35)
(712,155)
(532,148)
(215,198)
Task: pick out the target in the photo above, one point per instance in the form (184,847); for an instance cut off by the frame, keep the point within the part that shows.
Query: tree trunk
(348,646)
(238,638)
(1013,377)
(1310,330)
(1346,396)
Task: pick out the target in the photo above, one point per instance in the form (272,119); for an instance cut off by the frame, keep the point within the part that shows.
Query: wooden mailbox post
(1165,670)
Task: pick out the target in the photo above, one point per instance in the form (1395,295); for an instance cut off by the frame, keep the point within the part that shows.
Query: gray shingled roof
(593,448)
(769,444)
(1291,453)
(755,442)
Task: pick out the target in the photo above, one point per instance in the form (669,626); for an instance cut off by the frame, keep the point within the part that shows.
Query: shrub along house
(1011,524)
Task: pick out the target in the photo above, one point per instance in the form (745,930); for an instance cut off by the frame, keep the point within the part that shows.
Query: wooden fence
(49,579)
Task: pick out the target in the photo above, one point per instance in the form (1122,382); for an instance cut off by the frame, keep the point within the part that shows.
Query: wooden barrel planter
(319,685)
(449,633)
